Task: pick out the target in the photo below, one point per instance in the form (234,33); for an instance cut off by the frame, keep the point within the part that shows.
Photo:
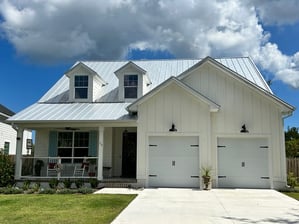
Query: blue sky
(39,41)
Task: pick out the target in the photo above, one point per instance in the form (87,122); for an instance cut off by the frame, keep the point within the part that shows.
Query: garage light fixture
(244,129)
(173,129)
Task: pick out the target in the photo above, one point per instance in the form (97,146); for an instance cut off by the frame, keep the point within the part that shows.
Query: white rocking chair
(79,170)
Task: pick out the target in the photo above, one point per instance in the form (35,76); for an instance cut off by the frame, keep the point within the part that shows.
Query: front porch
(105,153)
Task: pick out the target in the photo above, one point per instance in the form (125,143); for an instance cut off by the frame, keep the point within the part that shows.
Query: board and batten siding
(240,105)
(170,105)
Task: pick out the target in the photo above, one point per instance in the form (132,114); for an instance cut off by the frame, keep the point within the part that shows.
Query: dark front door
(129,155)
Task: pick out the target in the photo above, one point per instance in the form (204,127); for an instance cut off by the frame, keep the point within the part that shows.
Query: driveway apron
(168,205)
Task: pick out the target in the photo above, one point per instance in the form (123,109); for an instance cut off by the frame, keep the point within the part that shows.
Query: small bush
(47,191)
(292,180)
(53,183)
(85,190)
(79,183)
(11,190)
(6,170)
(26,185)
(66,191)
(67,183)
(93,182)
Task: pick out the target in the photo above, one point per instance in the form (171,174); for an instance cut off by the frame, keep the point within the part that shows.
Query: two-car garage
(241,162)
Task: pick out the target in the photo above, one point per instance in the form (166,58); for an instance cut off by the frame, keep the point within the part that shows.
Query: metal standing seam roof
(54,105)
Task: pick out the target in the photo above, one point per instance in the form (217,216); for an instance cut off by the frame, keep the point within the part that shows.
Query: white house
(158,122)
(8,135)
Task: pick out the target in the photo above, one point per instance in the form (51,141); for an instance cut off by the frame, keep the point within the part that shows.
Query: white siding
(8,134)
(241,105)
(171,105)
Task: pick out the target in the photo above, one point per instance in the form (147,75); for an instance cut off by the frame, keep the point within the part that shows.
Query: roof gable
(81,66)
(213,106)
(287,108)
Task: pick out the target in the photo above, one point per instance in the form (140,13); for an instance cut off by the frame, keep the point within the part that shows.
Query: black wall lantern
(244,129)
(173,129)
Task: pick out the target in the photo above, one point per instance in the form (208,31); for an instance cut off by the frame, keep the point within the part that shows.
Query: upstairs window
(130,86)
(81,87)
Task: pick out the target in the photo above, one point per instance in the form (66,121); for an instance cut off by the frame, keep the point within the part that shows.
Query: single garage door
(173,161)
(243,163)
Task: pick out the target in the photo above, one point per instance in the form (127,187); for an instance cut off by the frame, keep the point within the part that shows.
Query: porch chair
(51,169)
(79,170)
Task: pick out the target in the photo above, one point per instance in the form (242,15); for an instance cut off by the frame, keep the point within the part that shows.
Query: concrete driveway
(185,206)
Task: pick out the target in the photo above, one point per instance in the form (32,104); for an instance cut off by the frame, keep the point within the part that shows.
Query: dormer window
(130,86)
(81,87)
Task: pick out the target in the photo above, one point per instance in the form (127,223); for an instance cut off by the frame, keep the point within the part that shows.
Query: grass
(75,208)
(292,194)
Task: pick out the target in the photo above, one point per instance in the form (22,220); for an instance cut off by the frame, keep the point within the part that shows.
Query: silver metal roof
(55,105)
(157,70)
(73,112)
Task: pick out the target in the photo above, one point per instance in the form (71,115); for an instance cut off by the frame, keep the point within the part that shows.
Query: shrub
(292,180)
(53,183)
(93,182)
(67,183)
(11,190)
(66,191)
(85,190)
(6,170)
(79,183)
(26,185)
(48,191)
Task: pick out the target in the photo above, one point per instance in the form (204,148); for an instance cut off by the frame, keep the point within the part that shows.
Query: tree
(6,170)
(292,142)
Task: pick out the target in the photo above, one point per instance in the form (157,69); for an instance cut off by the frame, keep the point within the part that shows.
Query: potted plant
(206,176)
(38,166)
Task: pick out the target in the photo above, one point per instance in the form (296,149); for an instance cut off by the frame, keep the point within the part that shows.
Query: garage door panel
(173,161)
(243,162)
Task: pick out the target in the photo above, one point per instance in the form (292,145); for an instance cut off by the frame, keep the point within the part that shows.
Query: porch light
(244,129)
(173,129)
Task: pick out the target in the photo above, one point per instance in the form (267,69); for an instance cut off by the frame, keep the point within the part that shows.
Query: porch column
(18,159)
(100,153)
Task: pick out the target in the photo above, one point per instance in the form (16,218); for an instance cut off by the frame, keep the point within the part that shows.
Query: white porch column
(100,153)
(18,159)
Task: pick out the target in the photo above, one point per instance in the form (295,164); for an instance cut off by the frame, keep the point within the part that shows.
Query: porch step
(118,185)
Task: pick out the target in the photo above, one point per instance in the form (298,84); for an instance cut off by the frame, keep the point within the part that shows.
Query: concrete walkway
(221,206)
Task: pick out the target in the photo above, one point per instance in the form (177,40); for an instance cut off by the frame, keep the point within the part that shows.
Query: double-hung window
(73,144)
(81,87)
(130,86)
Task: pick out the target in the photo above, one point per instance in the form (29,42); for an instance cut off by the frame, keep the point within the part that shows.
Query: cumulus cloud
(57,30)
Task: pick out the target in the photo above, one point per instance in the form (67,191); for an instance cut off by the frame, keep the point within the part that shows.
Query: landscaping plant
(6,170)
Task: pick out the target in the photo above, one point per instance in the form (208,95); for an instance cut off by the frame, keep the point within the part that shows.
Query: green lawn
(292,194)
(73,208)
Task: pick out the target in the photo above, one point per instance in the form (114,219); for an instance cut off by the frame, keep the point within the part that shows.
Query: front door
(129,154)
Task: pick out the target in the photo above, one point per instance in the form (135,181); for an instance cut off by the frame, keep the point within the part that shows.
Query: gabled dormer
(84,83)
(133,82)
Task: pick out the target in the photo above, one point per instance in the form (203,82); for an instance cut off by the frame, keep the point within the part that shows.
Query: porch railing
(59,167)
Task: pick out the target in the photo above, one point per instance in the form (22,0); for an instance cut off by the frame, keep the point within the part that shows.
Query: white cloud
(277,11)
(56,30)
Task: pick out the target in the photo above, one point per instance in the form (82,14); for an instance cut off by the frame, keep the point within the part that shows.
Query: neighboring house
(8,135)
(158,122)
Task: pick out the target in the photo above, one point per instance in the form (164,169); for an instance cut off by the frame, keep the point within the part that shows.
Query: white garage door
(173,161)
(243,163)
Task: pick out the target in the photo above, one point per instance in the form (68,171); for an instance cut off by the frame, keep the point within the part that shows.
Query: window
(6,148)
(81,87)
(131,86)
(73,144)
